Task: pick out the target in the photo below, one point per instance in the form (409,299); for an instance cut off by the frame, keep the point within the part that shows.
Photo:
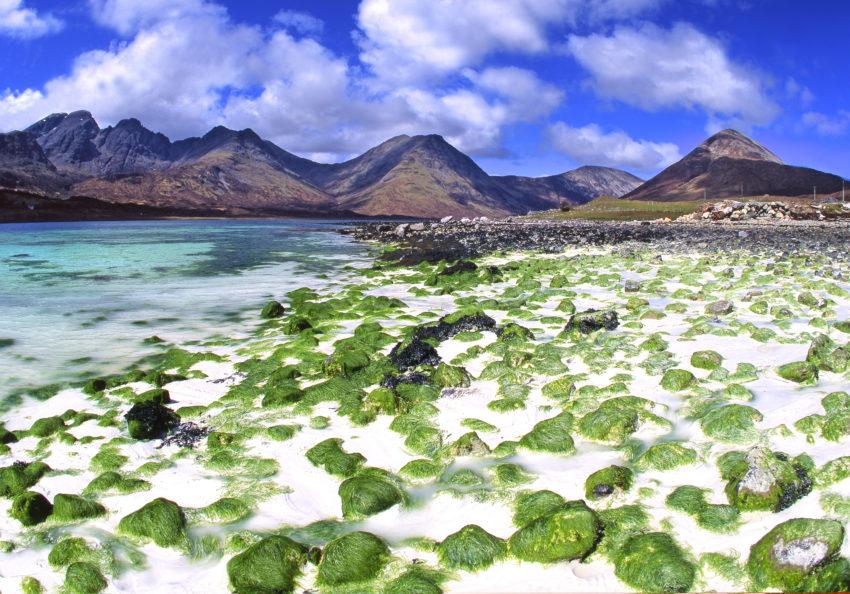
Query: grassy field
(607,208)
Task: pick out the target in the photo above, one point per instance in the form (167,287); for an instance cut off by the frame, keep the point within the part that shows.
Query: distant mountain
(237,172)
(577,186)
(25,167)
(727,165)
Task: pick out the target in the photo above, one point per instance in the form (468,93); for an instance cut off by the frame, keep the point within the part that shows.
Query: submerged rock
(271,310)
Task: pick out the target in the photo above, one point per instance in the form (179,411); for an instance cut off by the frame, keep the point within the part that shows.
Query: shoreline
(506,402)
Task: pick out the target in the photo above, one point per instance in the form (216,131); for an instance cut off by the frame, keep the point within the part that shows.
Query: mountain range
(239,173)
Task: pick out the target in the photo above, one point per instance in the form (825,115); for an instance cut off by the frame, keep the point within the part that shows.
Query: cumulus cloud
(404,41)
(828,125)
(655,68)
(16,20)
(591,145)
(289,88)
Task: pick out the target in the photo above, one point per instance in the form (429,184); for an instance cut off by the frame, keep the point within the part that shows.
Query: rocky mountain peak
(734,145)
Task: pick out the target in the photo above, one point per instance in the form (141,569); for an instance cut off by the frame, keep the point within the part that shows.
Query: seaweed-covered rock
(272,309)
(448,376)
(761,480)
(346,362)
(666,456)
(551,435)
(827,356)
(676,380)
(731,423)
(719,308)
(20,476)
(270,566)
(353,557)
(592,320)
(469,444)
(84,578)
(413,581)
(513,332)
(47,426)
(424,440)
(70,508)
(531,506)
(570,532)
(161,521)
(710,360)
(607,481)
(369,492)
(653,562)
(30,508)
(329,455)
(471,548)
(801,372)
(150,420)
(800,555)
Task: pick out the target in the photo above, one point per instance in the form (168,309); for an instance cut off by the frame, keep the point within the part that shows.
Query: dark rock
(412,353)
(149,420)
(593,320)
(185,435)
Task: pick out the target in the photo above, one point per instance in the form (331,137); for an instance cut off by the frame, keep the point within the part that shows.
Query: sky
(526,87)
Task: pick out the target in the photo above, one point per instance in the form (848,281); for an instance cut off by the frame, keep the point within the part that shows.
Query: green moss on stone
(161,521)
(607,481)
(570,532)
(368,493)
(666,456)
(653,562)
(270,566)
(71,508)
(30,508)
(471,548)
(329,455)
(800,555)
(84,578)
(551,435)
(354,557)
(676,380)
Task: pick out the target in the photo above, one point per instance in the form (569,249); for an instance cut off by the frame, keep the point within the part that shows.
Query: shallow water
(78,299)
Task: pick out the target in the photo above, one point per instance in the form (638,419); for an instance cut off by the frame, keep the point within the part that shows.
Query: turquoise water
(78,299)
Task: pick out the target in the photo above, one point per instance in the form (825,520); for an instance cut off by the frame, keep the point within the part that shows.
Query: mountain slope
(228,170)
(24,166)
(423,176)
(577,186)
(728,165)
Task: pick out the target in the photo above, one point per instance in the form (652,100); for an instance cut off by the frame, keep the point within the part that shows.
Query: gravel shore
(455,240)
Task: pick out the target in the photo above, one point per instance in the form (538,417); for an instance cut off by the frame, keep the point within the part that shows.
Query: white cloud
(290,89)
(590,145)
(802,93)
(655,68)
(16,20)
(411,40)
(827,125)
(300,22)
(408,41)
(130,16)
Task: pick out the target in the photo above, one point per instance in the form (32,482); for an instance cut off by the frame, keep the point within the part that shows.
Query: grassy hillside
(607,208)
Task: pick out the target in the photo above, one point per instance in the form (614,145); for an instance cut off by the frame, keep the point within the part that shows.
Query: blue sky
(531,87)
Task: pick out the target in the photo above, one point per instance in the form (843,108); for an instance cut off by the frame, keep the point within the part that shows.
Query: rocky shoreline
(453,240)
